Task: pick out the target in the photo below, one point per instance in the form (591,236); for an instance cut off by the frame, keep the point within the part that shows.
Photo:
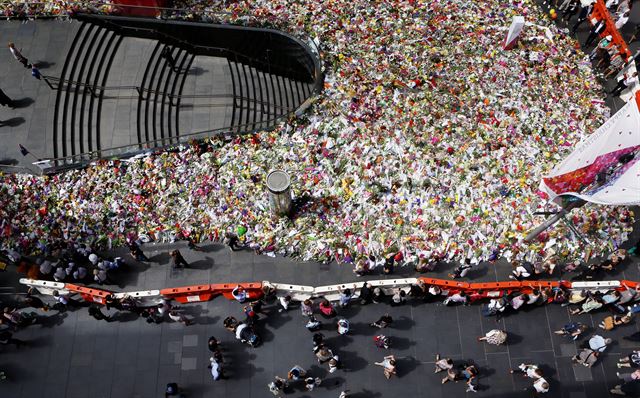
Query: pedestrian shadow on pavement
(13,122)
(44,64)
(125,316)
(483,374)
(332,383)
(160,258)
(352,362)
(401,343)
(197,315)
(365,394)
(477,272)
(8,162)
(205,263)
(214,247)
(513,339)
(359,328)
(406,365)
(52,320)
(275,319)
(23,102)
(196,71)
(241,362)
(403,323)
(129,275)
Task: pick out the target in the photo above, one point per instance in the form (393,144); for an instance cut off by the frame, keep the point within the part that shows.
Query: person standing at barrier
(598,28)
(35,302)
(63,301)
(239,293)
(345,296)
(622,20)
(584,14)
(326,309)
(366,293)
(624,83)
(18,56)
(283,303)
(635,35)
(571,10)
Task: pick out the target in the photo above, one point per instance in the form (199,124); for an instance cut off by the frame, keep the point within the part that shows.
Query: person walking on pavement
(177,260)
(389,366)
(18,55)
(216,368)
(5,100)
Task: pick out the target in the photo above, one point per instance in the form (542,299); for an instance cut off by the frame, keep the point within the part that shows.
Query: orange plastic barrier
(254,290)
(188,294)
(88,293)
(600,12)
(446,284)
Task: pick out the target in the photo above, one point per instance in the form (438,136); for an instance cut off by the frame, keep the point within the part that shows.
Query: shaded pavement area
(73,355)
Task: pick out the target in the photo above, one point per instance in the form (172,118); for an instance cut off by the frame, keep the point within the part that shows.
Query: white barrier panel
(139,294)
(146,298)
(604,285)
(297,292)
(45,287)
(332,292)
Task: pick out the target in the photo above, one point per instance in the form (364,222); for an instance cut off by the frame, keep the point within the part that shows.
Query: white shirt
(630,81)
(16,54)
(531,372)
(621,21)
(215,370)
(343,326)
(538,385)
(284,303)
(46,267)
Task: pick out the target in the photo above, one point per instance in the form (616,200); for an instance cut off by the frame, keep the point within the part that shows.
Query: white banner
(514,32)
(605,167)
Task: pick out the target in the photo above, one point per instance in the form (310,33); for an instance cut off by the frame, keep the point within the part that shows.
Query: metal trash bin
(279,185)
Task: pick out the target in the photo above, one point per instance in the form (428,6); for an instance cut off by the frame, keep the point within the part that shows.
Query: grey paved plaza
(73,355)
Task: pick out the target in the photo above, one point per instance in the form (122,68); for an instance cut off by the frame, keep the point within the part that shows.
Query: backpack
(382,341)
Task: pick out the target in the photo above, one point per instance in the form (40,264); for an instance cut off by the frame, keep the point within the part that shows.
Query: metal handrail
(134,149)
(151,145)
(7,168)
(227,52)
(139,89)
(92,6)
